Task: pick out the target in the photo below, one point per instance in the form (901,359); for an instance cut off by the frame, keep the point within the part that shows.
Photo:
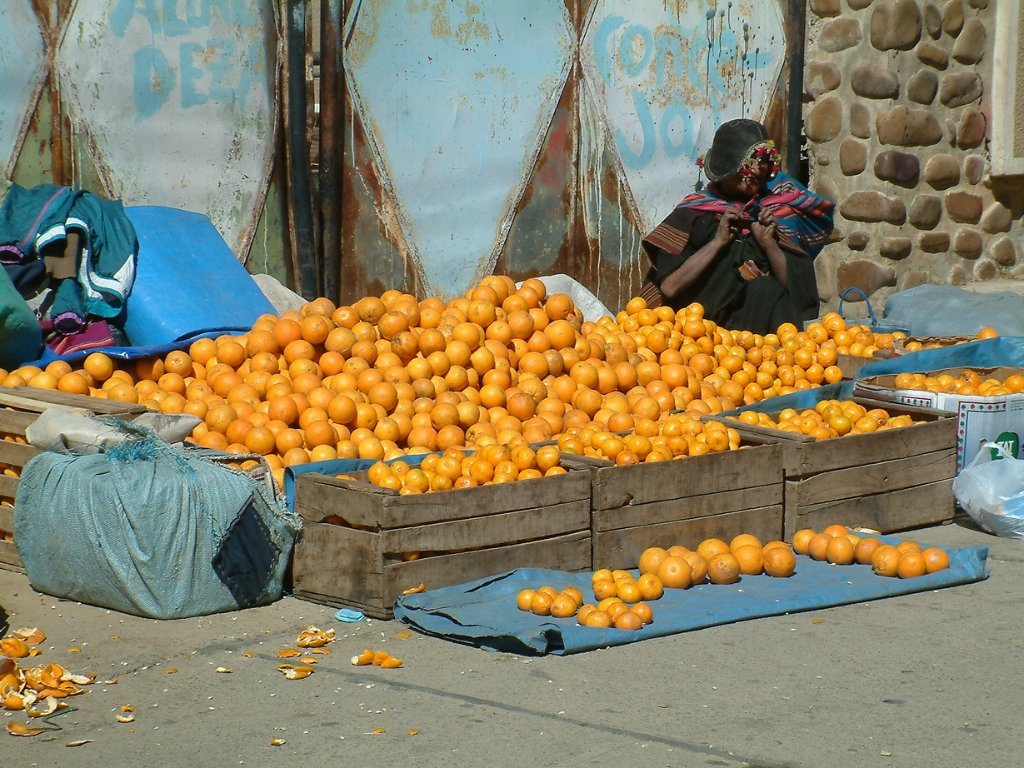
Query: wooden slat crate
(890,480)
(19,407)
(359,558)
(683,501)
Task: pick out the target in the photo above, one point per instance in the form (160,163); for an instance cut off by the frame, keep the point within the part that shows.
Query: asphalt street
(929,679)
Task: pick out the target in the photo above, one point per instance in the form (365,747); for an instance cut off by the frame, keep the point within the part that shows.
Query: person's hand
(729,226)
(765,229)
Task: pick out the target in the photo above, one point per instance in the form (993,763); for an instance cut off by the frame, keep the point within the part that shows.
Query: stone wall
(895,104)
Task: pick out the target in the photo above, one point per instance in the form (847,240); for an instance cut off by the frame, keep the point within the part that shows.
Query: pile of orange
(491,465)
(828,419)
(967,382)
(391,375)
(915,345)
(548,601)
(838,545)
(673,436)
(832,332)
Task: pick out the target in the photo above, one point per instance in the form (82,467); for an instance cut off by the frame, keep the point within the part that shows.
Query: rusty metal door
(528,137)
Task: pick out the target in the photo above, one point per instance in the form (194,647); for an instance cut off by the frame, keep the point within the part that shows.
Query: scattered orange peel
(31,635)
(17,729)
(381,659)
(314,637)
(288,653)
(295,673)
(413,590)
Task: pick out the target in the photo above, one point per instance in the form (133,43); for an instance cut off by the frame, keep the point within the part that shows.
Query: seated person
(744,246)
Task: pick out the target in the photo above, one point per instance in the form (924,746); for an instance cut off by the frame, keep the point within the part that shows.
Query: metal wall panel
(534,137)
(22,71)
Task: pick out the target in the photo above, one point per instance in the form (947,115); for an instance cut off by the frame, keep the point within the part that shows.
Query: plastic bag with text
(991,491)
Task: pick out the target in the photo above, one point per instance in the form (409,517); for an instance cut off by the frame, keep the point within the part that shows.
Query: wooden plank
(332,560)
(360,503)
(16,454)
(622,548)
(687,508)
(570,552)
(16,422)
(490,530)
(853,450)
(8,487)
(9,558)
(34,398)
(374,610)
(927,504)
(6,519)
(615,487)
(867,478)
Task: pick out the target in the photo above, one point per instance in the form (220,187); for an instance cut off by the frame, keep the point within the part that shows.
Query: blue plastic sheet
(188,282)
(483,613)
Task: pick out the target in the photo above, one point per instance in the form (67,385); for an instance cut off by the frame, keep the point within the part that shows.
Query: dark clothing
(733,295)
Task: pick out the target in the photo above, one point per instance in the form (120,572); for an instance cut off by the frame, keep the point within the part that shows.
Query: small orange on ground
(674,573)
(750,559)
(865,549)
(840,551)
(885,560)
(698,566)
(711,547)
(651,558)
(650,586)
(802,540)
(817,548)
(744,539)
(598,619)
(723,568)
(908,546)
(629,591)
(540,604)
(563,606)
(779,562)
(835,530)
(583,612)
(911,564)
(524,598)
(628,620)
(935,559)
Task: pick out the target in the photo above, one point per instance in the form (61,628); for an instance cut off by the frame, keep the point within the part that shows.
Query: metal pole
(300,202)
(331,133)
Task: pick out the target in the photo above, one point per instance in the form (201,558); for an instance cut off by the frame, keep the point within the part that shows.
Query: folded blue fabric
(484,613)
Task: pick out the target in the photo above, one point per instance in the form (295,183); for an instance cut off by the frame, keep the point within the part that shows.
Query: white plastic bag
(991,491)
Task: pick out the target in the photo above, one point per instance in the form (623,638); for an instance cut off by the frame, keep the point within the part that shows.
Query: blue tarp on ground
(483,613)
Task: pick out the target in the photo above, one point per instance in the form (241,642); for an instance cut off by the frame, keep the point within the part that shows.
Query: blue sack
(151,530)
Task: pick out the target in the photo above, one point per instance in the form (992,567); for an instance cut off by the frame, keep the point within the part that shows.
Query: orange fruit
(911,564)
(100,367)
(779,562)
(744,539)
(629,591)
(840,551)
(935,559)
(651,558)
(802,540)
(698,566)
(540,603)
(750,559)
(723,568)
(674,572)
(643,610)
(835,530)
(711,547)
(865,549)
(563,606)
(908,546)
(650,586)
(598,619)
(584,612)
(817,548)
(885,560)
(524,598)
(628,620)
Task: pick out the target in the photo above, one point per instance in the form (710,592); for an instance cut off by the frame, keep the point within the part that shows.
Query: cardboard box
(357,536)
(683,501)
(850,365)
(19,407)
(998,419)
(888,481)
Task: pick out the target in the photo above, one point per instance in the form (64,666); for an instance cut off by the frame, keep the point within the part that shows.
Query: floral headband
(765,152)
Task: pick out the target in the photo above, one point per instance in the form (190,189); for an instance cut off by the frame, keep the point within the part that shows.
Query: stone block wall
(895,104)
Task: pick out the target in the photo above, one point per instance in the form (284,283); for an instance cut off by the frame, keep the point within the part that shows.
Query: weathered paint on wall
(532,138)
(663,75)
(455,99)
(22,69)
(178,101)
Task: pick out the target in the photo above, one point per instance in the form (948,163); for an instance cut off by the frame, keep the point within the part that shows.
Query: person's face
(745,183)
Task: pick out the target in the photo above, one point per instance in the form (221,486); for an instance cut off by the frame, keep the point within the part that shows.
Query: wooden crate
(19,407)
(683,501)
(358,558)
(888,481)
(850,365)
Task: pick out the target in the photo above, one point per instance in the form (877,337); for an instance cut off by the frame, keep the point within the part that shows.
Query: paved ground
(933,678)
